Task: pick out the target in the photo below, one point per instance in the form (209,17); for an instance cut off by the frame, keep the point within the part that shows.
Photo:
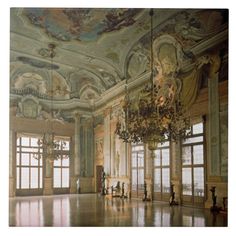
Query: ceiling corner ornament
(157,113)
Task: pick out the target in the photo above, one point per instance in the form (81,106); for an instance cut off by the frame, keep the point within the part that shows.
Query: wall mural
(80,24)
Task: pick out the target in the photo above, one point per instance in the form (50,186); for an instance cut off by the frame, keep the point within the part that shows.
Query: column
(175,167)
(149,158)
(75,162)
(12,164)
(107,141)
(77,145)
(214,122)
(48,178)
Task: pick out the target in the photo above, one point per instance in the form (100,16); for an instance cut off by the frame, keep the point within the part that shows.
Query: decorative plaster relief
(168,55)
(224,140)
(28,107)
(138,61)
(30,80)
(99,149)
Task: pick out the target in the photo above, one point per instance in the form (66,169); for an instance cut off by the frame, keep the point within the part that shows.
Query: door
(193,168)
(99,170)
(137,169)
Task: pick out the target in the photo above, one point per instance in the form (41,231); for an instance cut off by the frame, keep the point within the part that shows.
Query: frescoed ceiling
(80,24)
(97,48)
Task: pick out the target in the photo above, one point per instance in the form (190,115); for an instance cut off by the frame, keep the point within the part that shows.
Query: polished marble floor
(96,210)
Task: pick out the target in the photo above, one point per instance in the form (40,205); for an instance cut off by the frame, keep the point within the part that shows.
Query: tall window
(29,163)
(61,166)
(162,168)
(193,163)
(137,169)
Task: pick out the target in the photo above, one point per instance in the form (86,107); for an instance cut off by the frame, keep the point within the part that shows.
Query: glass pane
(34,142)
(165,157)
(193,140)
(165,144)
(25,159)
(186,155)
(157,180)
(65,178)
(198,181)
(134,160)
(25,141)
(198,154)
(26,149)
(140,160)
(137,148)
(41,178)
(17,177)
(18,142)
(134,180)
(187,221)
(34,149)
(187,181)
(34,161)
(34,178)
(65,160)
(17,159)
(140,178)
(66,145)
(56,177)
(41,160)
(57,162)
(199,221)
(157,159)
(198,128)
(24,177)
(165,180)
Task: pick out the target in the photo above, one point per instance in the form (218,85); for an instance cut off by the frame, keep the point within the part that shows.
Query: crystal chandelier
(50,146)
(156,115)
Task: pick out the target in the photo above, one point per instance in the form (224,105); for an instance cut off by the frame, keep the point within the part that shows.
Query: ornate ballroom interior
(118,117)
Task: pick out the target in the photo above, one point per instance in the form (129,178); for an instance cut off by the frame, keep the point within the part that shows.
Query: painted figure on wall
(99,149)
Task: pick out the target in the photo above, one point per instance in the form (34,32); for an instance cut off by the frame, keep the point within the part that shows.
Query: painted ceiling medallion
(66,24)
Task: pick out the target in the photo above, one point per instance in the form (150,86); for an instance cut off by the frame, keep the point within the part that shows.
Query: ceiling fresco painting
(97,50)
(86,25)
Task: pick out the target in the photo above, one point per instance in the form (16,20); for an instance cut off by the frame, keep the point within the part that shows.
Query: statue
(103,178)
(214,207)
(172,196)
(123,191)
(145,193)
(116,189)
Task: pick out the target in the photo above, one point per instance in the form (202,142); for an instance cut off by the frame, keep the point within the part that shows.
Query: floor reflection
(96,210)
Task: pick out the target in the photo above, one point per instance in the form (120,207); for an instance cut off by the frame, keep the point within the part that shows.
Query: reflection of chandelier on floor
(156,115)
(51,147)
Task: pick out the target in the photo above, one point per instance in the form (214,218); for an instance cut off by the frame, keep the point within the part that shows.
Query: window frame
(61,167)
(21,150)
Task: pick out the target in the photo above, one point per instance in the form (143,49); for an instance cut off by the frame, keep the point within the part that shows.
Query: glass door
(137,169)
(193,176)
(162,172)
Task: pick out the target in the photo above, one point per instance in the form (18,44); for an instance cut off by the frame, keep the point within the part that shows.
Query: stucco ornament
(168,57)
(138,62)
(28,107)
